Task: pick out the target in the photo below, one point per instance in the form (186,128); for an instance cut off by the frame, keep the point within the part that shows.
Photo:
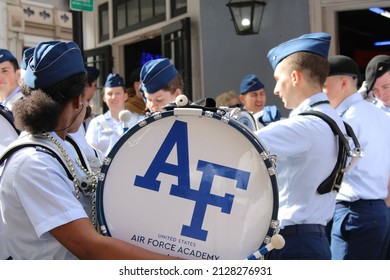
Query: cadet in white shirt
(46,195)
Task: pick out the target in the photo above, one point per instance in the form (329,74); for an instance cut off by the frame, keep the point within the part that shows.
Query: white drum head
(8,131)
(189,185)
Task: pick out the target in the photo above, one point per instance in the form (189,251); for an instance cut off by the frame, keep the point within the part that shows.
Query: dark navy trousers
(360,230)
(303,242)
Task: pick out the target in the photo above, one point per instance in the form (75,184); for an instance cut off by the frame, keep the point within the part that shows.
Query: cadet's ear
(295,77)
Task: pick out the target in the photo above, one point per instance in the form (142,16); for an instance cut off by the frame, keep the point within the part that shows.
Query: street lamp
(246,15)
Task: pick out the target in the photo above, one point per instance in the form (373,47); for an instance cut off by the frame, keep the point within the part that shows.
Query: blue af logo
(178,135)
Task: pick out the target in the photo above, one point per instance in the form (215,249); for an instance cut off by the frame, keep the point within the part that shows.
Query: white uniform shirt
(306,151)
(368,177)
(36,197)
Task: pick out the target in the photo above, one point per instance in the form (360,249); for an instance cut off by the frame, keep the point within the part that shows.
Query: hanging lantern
(246,15)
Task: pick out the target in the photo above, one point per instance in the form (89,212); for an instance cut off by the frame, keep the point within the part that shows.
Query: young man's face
(254,101)
(9,78)
(381,89)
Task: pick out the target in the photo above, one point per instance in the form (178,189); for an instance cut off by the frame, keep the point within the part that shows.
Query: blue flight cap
(52,62)
(114,80)
(92,72)
(6,55)
(156,74)
(27,54)
(317,43)
(250,83)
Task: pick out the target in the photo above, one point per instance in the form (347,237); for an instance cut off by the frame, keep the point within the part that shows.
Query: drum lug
(209,114)
(106,161)
(275,224)
(103,230)
(157,115)
(101,177)
(225,119)
(271,171)
(142,123)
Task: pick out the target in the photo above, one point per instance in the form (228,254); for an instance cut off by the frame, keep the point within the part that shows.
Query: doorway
(364,34)
(138,53)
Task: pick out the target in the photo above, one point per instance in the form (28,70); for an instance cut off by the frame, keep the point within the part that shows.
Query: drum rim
(155,117)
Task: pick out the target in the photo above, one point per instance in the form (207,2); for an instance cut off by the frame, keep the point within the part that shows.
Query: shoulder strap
(38,147)
(77,150)
(335,128)
(333,181)
(106,127)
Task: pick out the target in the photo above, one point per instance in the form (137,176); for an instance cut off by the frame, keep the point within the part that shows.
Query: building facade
(198,36)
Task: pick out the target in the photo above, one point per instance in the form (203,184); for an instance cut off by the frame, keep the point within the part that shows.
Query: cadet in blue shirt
(360,224)
(105,130)
(254,98)
(161,83)
(378,85)
(305,147)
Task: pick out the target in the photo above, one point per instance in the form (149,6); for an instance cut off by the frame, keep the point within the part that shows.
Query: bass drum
(189,183)
(8,131)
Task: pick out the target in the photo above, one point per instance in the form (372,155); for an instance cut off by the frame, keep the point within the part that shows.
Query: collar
(347,102)
(306,104)
(15,95)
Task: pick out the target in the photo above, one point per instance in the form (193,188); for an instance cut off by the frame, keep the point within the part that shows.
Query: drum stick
(277,242)
(125,117)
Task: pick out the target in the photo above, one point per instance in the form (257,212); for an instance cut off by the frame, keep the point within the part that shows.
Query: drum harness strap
(333,181)
(106,127)
(43,146)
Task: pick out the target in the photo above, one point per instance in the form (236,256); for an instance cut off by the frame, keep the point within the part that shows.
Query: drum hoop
(237,125)
(8,116)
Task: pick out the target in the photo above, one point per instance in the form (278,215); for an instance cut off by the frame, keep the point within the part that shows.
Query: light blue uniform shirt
(12,98)
(368,177)
(381,106)
(104,139)
(306,151)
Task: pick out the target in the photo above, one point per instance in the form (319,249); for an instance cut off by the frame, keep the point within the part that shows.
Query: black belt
(303,228)
(359,203)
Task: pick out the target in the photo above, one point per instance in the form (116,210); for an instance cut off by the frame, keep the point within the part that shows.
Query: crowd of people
(48,174)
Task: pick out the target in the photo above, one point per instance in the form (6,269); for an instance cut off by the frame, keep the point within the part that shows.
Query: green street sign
(81,5)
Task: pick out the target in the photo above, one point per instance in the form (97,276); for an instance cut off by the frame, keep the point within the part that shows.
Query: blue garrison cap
(114,80)
(156,74)
(6,55)
(317,43)
(52,62)
(27,54)
(250,83)
(92,72)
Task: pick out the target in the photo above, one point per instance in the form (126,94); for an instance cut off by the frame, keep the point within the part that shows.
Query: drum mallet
(277,242)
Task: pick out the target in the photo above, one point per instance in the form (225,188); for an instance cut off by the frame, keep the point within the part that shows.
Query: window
(131,15)
(178,7)
(103,22)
